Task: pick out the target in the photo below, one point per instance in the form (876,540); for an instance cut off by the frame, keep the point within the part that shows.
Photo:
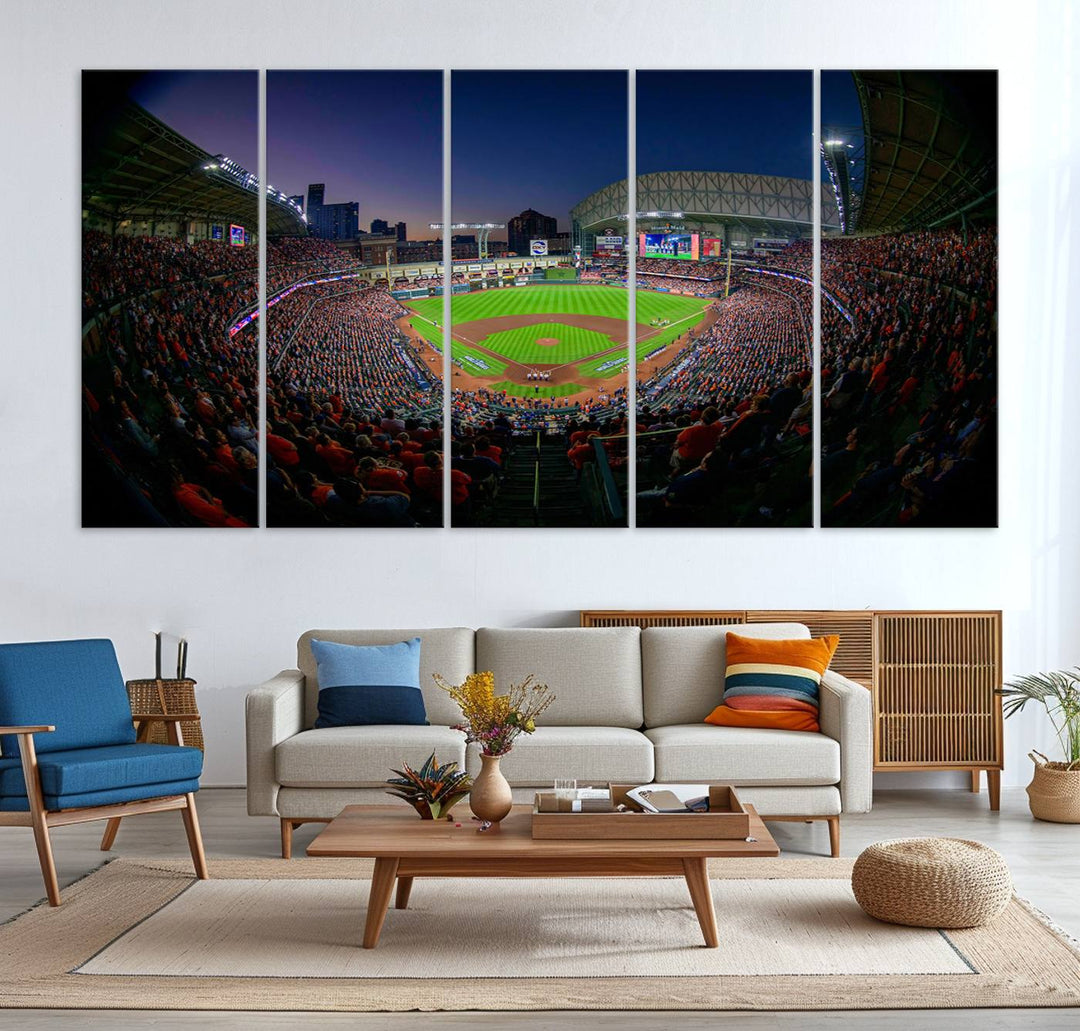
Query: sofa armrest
(846,716)
(273,711)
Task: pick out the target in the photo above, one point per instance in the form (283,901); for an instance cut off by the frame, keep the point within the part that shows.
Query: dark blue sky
(374,137)
(839,101)
(542,140)
(725,121)
(217,111)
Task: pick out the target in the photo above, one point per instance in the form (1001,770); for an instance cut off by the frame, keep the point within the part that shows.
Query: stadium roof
(930,147)
(759,204)
(136,167)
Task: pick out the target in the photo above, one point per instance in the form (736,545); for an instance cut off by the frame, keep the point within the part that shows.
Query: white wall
(243,597)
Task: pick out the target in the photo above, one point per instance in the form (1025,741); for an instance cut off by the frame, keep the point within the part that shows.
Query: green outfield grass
(575,343)
(520,344)
(609,302)
(432,334)
(530,389)
(683,312)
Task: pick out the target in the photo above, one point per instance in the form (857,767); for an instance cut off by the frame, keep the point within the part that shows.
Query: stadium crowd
(909,385)
(170,400)
(724,427)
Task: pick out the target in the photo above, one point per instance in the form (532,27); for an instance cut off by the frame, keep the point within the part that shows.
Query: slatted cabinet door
(935,701)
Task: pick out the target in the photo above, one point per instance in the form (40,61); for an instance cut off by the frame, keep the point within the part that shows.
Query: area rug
(268,934)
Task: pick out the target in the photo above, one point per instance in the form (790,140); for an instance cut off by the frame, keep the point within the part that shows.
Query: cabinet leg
(993,787)
(975,782)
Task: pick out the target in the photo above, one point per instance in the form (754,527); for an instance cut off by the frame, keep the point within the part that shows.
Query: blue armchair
(68,749)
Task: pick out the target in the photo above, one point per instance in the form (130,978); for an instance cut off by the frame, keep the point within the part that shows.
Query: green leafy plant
(1059,693)
(432,790)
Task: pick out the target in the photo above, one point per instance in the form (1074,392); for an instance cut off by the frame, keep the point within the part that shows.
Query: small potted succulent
(1054,792)
(432,790)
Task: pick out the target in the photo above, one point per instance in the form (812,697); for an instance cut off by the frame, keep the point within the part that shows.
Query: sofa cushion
(586,754)
(449,651)
(595,674)
(362,756)
(773,683)
(683,667)
(364,684)
(74,685)
(743,755)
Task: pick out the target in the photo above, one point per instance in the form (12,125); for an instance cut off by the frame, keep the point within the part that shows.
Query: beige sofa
(629,707)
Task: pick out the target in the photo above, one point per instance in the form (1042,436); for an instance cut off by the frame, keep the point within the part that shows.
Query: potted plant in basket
(1054,792)
(494,722)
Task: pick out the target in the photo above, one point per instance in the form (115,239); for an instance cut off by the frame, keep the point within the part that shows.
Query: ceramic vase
(490,798)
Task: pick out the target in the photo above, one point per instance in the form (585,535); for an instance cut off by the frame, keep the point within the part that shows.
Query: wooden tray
(726,819)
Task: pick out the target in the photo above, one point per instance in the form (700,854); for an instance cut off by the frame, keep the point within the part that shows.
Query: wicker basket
(166,698)
(932,882)
(1054,791)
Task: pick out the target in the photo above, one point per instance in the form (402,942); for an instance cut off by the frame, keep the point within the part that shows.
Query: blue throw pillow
(360,685)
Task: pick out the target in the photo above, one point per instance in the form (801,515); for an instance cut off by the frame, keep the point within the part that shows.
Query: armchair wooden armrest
(43,729)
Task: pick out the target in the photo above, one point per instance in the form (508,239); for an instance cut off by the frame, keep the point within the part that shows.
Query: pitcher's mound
(547,341)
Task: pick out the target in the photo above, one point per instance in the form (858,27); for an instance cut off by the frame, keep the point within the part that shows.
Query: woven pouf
(932,882)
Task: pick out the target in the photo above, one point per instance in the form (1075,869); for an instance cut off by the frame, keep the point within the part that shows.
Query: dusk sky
(542,140)
(218,111)
(725,121)
(374,137)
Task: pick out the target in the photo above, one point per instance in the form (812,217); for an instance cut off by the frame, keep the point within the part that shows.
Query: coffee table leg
(697,880)
(382,885)
(404,887)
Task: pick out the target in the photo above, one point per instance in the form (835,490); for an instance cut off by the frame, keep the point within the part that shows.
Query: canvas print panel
(539,305)
(354,299)
(724,298)
(169,280)
(909,299)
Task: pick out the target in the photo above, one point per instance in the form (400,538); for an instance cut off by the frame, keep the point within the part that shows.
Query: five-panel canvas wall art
(631,334)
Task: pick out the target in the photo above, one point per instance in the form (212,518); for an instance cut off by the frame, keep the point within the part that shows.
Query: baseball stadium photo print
(724,342)
(170,265)
(909,299)
(539,334)
(354,373)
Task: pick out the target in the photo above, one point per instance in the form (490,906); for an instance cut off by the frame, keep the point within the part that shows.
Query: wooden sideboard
(934,676)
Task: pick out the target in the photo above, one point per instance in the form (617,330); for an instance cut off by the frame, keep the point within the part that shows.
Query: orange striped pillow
(773,684)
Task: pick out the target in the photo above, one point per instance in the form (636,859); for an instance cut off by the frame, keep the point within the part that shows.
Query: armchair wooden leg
(194,836)
(28,755)
(286,839)
(109,836)
(834,836)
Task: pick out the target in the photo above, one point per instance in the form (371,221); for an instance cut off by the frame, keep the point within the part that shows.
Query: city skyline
(374,137)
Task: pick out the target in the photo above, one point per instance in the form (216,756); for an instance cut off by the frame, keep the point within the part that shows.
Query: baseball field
(574,335)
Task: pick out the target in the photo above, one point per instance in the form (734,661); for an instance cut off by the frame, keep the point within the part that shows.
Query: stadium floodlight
(834,143)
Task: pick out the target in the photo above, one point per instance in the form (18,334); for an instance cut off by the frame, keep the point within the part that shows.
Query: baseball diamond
(575,335)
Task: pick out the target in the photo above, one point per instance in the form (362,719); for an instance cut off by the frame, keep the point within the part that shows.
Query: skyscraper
(379,226)
(315,194)
(529,225)
(338,221)
(402,234)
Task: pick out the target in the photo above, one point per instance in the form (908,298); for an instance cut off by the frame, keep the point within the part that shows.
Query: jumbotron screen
(684,246)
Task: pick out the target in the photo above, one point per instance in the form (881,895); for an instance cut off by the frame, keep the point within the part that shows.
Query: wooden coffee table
(405,847)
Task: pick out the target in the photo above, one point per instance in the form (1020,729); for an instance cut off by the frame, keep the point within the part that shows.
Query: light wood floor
(1044,857)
